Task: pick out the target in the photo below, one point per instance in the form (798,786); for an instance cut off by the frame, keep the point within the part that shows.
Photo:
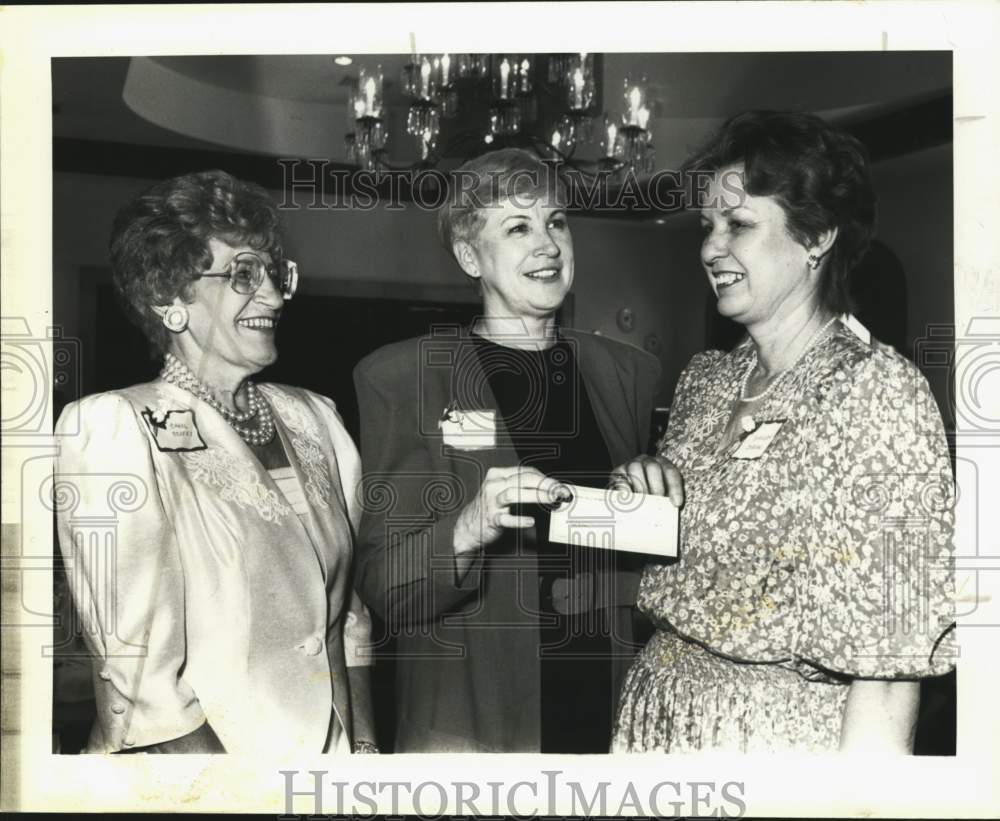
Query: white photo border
(965,785)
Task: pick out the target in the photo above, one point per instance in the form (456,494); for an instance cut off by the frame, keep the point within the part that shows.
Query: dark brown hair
(819,175)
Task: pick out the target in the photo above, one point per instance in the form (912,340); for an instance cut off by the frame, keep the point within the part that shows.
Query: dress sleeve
(125,574)
(405,561)
(875,504)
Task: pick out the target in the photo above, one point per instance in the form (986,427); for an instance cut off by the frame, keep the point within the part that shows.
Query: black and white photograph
(618,424)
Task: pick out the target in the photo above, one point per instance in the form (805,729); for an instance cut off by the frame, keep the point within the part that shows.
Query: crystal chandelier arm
(600,166)
(566,157)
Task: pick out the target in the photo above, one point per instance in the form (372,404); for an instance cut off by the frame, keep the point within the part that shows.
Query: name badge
(174,431)
(758,440)
(469,429)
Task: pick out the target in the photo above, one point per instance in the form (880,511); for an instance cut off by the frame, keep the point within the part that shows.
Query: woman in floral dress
(813,587)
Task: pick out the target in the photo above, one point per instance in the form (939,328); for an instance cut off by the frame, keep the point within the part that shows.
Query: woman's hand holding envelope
(653,475)
(485,518)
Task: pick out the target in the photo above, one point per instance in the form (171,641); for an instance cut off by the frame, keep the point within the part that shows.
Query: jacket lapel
(470,389)
(218,433)
(462,386)
(606,392)
(315,529)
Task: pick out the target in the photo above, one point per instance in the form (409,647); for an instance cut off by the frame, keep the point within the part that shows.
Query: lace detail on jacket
(238,480)
(306,443)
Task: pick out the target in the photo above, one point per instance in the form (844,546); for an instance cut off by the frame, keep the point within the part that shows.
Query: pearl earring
(175,319)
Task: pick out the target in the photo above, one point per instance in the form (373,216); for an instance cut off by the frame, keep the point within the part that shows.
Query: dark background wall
(648,267)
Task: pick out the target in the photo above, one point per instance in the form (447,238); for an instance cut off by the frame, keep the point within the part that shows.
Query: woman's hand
(880,717)
(485,518)
(654,475)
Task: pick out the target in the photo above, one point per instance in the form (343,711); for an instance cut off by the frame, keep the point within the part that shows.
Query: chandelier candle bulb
(370,85)
(370,95)
(425,79)
(504,78)
(633,102)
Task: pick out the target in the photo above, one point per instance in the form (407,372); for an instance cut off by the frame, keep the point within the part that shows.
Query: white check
(617,520)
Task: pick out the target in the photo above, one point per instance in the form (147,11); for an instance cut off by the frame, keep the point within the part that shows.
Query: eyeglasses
(246,274)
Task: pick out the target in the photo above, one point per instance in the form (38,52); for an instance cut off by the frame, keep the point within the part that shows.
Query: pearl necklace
(780,376)
(261,433)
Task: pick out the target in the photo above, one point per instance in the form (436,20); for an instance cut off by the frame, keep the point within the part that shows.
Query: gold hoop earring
(175,319)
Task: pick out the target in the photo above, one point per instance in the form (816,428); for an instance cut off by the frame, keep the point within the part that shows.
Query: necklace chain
(257,434)
(780,376)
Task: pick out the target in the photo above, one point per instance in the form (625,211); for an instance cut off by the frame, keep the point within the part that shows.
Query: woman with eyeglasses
(219,611)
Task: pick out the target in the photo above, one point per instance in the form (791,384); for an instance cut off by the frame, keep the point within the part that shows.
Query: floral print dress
(827,558)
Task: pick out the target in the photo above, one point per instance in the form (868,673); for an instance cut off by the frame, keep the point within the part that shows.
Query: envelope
(617,520)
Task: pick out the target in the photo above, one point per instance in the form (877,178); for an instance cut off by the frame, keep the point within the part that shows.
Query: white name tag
(469,430)
(617,520)
(758,440)
(174,431)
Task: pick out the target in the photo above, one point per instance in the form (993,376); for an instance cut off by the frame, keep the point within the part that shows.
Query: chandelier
(546,102)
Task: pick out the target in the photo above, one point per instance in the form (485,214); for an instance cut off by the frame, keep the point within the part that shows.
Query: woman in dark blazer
(504,642)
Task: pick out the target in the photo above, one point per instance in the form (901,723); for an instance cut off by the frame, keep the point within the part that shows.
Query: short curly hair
(819,175)
(488,180)
(159,240)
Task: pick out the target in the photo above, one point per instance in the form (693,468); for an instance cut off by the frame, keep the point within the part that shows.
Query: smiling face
(758,271)
(523,257)
(229,335)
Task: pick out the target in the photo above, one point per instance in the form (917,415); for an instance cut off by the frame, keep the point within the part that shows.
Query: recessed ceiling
(296,104)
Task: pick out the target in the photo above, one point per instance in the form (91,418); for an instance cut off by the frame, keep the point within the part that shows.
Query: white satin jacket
(203,596)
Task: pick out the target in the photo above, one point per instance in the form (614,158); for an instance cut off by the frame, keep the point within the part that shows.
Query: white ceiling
(296,105)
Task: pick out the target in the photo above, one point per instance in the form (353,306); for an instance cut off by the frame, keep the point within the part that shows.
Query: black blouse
(543,404)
